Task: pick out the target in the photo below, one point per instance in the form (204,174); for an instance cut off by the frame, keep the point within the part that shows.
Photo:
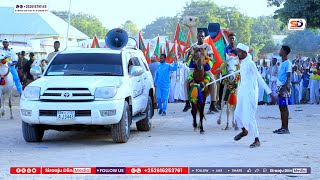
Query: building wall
(37,43)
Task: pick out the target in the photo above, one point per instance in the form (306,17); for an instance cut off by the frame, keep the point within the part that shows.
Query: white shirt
(10,53)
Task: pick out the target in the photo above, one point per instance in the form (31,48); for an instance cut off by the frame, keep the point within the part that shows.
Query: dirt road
(171,142)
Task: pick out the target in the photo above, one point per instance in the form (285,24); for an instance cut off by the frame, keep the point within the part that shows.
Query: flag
(95,42)
(189,40)
(217,57)
(157,51)
(141,43)
(251,52)
(167,48)
(179,36)
(171,54)
(180,50)
(147,54)
(162,50)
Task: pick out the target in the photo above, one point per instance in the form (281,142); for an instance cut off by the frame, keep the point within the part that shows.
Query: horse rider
(9,53)
(190,64)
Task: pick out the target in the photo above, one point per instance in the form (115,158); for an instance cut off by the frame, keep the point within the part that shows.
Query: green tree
(88,24)
(162,26)
(240,24)
(131,28)
(207,11)
(308,9)
(305,42)
(262,29)
(229,18)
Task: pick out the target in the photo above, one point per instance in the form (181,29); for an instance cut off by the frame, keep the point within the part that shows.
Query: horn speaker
(116,38)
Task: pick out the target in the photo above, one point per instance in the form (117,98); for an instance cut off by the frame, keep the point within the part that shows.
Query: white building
(36,32)
(278,39)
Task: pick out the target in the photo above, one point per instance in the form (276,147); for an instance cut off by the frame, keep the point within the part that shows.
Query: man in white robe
(247,96)
(273,73)
(177,83)
(184,70)
(262,70)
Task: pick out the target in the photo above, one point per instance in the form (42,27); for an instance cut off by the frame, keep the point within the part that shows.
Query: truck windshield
(86,64)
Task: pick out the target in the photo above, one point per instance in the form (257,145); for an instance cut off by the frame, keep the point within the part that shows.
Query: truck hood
(91,82)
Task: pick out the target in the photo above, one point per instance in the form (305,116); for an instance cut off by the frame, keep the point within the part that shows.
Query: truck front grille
(67,95)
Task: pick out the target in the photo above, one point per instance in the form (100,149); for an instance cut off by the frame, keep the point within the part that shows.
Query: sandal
(239,136)
(278,130)
(255,144)
(283,131)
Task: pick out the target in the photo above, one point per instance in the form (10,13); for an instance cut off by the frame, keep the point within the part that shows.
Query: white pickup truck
(89,87)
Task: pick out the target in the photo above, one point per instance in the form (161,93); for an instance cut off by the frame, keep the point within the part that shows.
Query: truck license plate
(66,115)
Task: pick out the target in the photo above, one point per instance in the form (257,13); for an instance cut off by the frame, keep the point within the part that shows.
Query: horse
(6,84)
(198,90)
(229,96)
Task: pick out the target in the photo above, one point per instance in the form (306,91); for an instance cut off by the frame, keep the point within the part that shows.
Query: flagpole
(68,24)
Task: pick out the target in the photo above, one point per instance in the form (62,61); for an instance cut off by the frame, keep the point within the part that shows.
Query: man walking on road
(248,92)
(162,83)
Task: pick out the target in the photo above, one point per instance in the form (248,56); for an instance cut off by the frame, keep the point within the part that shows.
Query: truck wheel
(32,133)
(121,131)
(145,124)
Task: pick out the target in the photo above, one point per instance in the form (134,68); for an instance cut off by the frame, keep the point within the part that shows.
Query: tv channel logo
(297,24)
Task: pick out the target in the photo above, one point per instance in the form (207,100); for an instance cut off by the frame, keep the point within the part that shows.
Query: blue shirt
(228,50)
(153,67)
(162,76)
(305,80)
(284,68)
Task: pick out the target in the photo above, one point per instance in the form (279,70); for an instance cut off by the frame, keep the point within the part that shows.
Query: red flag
(167,47)
(179,36)
(95,42)
(171,54)
(189,40)
(147,54)
(180,50)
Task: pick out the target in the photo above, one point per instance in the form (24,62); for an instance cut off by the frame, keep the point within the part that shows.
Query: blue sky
(113,13)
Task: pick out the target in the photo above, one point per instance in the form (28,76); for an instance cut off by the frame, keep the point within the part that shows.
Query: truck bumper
(86,113)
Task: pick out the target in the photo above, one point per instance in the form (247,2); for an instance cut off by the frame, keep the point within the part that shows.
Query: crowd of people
(20,66)
(283,82)
(305,80)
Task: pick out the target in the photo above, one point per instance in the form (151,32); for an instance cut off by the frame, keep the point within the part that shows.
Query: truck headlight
(31,92)
(105,92)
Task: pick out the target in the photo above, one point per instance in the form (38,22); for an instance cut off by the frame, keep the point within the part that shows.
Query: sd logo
(297,24)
